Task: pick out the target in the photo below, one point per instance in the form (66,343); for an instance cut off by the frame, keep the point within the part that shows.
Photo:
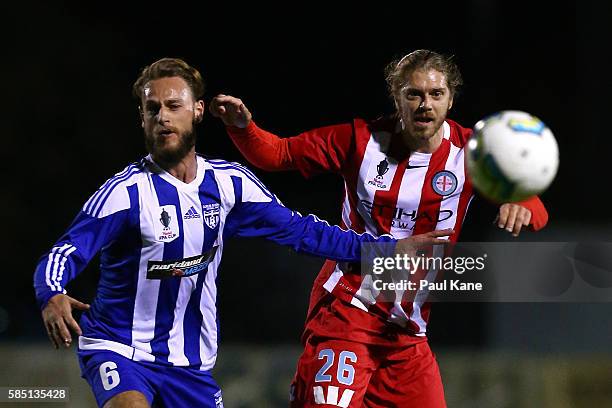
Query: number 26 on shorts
(345,373)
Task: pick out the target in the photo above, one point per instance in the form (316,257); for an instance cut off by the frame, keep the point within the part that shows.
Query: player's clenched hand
(231,111)
(513,217)
(57,316)
(411,244)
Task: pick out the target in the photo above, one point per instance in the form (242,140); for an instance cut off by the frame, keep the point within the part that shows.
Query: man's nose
(425,103)
(162,115)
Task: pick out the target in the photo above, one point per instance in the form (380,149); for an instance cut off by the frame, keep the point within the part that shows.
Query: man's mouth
(166,132)
(423,121)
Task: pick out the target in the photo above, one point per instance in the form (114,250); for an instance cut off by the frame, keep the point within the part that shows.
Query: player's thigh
(110,374)
(183,387)
(407,378)
(331,373)
(128,399)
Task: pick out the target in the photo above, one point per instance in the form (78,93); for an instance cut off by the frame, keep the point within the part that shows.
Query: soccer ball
(511,155)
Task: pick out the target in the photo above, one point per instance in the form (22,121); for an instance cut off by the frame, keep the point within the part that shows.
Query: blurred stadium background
(70,124)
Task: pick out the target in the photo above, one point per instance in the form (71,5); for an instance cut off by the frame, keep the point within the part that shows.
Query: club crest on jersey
(166,225)
(378,181)
(444,183)
(210,212)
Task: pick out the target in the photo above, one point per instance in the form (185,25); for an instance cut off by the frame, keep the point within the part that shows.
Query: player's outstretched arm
(316,151)
(58,319)
(260,214)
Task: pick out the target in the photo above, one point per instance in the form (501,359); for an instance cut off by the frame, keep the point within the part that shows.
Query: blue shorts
(109,374)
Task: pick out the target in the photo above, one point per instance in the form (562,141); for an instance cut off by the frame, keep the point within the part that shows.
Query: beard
(170,154)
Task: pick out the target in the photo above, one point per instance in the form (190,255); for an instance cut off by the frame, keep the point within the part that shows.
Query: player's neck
(184,170)
(422,145)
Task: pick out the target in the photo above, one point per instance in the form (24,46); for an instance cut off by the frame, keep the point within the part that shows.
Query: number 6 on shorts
(109,375)
(345,373)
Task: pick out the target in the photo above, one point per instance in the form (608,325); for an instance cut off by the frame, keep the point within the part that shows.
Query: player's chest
(404,189)
(187,218)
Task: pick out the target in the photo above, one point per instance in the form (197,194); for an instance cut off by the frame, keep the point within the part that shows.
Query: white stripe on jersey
(62,265)
(374,154)
(56,265)
(192,228)
(421,296)
(346,209)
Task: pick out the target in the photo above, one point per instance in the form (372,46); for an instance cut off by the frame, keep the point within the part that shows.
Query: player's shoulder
(113,195)
(239,179)
(225,170)
(384,123)
(223,167)
(459,134)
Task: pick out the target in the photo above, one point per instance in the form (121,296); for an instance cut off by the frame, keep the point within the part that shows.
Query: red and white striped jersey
(388,190)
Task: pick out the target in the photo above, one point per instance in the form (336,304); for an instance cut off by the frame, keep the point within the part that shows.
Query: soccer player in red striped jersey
(403,175)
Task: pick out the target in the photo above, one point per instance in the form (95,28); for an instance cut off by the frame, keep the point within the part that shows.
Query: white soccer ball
(512,155)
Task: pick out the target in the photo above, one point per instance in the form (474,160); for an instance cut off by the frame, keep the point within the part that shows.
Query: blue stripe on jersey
(96,196)
(192,324)
(249,175)
(168,288)
(116,294)
(230,228)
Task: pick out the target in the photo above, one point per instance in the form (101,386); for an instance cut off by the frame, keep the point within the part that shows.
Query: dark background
(70,123)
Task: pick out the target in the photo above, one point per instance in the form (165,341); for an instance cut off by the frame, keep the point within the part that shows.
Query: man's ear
(450,102)
(141,116)
(199,111)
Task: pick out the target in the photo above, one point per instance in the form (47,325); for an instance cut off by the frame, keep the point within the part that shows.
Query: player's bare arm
(230,110)
(58,319)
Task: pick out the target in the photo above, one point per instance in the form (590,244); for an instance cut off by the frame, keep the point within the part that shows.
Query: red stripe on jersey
(350,173)
(466,195)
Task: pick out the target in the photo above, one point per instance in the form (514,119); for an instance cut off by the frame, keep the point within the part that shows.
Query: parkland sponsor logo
(182,267)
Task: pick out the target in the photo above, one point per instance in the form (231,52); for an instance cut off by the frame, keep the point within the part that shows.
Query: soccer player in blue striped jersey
(150,334)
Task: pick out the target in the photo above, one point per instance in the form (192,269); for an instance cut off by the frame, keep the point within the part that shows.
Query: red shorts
(354,358)
(340,373)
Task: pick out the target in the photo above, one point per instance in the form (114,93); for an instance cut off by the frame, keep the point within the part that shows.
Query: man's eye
(174,106)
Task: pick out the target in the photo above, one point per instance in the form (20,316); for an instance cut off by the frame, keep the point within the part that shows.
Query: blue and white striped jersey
(147,223)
